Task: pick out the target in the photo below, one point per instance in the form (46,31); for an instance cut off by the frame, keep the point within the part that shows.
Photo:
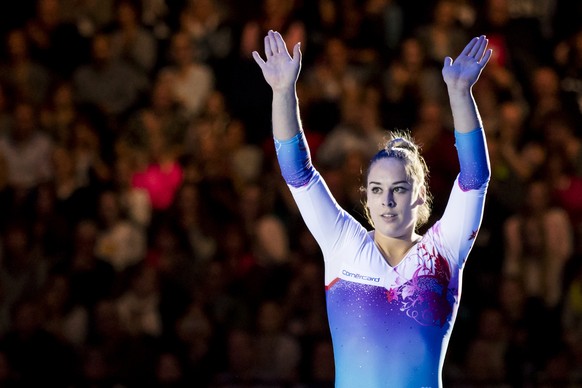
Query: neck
(394,249)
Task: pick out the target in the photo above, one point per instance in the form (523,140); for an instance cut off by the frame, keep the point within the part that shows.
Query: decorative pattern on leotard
(390,326)
(426,298)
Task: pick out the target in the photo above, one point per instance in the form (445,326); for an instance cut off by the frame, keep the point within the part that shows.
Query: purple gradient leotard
(391,326)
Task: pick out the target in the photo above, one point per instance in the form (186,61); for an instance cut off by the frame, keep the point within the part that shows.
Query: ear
(421,199)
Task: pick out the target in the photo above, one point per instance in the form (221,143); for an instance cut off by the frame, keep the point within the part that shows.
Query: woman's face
(392,198)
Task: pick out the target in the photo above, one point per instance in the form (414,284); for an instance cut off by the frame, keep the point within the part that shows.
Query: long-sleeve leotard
(391,326)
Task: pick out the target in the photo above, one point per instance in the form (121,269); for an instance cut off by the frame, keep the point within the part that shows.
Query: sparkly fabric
(390,326)
(294,160)
(473,159)
(392,334)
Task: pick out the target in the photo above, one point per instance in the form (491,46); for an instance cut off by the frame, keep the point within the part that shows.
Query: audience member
(59,112)
(538,244)
(444,33)
(191,81)
(106,85)
(55,42)
(131,41)
(27,150)
(28,78)
(118,241)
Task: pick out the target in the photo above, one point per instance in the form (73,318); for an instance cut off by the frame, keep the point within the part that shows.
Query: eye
(376,190)
(400,189)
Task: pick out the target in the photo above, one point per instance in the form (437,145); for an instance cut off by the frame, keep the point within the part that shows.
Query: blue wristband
(473,159)
(294,160)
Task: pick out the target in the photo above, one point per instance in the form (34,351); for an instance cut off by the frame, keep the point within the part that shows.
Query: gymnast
(392,294)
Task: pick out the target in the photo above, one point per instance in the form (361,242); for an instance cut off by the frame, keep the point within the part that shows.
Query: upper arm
(330,225)
(461,219)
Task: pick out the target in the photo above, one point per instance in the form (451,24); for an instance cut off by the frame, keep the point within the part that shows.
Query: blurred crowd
(148,240)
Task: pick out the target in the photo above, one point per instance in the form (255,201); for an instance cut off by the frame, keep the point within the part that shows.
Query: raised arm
(281,72)
(460,75)
(328,222)
(462,217)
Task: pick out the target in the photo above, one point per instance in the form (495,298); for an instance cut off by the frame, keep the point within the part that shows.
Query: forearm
(470,140)
(290,143)
(466,115)
(285,114)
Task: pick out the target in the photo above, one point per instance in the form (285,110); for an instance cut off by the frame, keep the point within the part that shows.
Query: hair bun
(401,143)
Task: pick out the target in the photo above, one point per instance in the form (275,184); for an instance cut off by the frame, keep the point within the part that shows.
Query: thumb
(297,55)
(448,61)
(258,59)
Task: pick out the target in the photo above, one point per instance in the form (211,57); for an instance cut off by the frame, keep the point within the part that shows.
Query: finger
(482,46)
(280,42)
(476,47)
(268,48)
(258,59)
(448,62)
(297,55)
(469,46)
(483,62)
(273,42)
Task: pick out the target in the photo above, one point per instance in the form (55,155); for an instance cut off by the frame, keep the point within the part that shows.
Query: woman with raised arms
(392,294)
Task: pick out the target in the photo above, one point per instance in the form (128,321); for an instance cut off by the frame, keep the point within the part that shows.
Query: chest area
(423,287)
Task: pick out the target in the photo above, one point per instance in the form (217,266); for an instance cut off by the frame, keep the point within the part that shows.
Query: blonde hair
(401,145)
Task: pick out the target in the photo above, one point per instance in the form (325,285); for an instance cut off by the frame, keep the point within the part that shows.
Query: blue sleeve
(294,160)
(473,159)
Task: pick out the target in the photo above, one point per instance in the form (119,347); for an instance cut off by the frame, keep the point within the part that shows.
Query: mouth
(388,216)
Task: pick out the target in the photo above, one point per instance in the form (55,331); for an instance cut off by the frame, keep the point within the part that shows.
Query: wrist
(282,95)
(284,90)
(456,91)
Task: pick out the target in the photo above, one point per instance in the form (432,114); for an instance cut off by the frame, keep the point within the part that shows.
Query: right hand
(464,71)
(280,69)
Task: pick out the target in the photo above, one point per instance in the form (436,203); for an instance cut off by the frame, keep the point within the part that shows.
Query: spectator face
(182,50)
(63,96)
(108,208)
(537,196)
(24,122)
(48,12)
(269,319)
(85,236)
(101,49)
(545,82)
(126,14)
(17,44)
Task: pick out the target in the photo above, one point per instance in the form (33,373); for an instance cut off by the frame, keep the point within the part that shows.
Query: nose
(389,201)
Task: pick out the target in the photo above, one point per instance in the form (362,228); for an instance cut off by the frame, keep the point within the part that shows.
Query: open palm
(280,69)
(464,71)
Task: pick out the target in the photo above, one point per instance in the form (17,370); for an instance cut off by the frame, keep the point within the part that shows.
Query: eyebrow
(395,183)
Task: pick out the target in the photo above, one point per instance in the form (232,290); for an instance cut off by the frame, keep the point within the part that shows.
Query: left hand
(464,71)
(280,70)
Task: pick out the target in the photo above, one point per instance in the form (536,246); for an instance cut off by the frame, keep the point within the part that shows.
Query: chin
(395,231)
(390,232)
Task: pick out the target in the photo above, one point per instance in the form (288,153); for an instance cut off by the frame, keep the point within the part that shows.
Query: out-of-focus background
(148,240)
